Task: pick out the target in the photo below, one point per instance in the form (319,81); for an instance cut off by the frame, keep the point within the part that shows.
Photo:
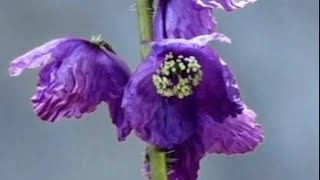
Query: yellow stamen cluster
(178,76)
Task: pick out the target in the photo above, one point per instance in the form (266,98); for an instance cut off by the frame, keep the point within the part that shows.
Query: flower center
(177,76)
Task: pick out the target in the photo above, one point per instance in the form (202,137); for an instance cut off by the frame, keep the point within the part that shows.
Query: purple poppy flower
(185,99)
(184,88)
(75,76)
(190,18)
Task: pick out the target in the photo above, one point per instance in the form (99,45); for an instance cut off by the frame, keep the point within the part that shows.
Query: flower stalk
(158,163)
(145,16)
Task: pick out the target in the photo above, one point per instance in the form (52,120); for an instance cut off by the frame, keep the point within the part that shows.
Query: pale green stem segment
(145,15)
(158,163)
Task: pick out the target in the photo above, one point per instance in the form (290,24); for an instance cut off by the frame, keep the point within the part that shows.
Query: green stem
(158,163)
(145,8)
(157,158)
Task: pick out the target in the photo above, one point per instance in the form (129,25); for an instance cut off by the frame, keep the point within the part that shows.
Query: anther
(177,76)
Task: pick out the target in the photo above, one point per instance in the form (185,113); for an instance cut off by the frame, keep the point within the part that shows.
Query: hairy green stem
(145,11)
(158,163)
(157,158)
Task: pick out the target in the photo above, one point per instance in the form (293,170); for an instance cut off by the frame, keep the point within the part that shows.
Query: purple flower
(185,90)
(75,76)
(183,84)
(190,18)
(195,106)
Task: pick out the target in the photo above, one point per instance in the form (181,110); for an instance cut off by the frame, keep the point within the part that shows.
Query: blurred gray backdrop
(274,55)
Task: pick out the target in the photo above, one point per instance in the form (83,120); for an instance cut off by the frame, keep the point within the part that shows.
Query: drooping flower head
(199,109)
(185,93)
(190,18)
(75,76)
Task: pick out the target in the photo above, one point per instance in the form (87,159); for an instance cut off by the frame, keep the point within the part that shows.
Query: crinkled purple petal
(183,19)
(227,5)
(218,94)
(35,58)
(196,42)
(75,77)
(236,135)
(155,119)
(185,160)
(190,18)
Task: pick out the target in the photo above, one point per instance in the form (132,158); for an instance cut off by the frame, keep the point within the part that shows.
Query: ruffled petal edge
(235,135)
(227,5)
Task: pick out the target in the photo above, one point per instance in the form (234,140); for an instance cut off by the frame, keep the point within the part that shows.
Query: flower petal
(182,19)
(227,5)
(157,120)
(35,58)
(235,135)
(75,77)
(218,94)
(196,42)
(186,160)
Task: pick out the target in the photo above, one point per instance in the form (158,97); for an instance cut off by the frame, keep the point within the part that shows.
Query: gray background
(274,55)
